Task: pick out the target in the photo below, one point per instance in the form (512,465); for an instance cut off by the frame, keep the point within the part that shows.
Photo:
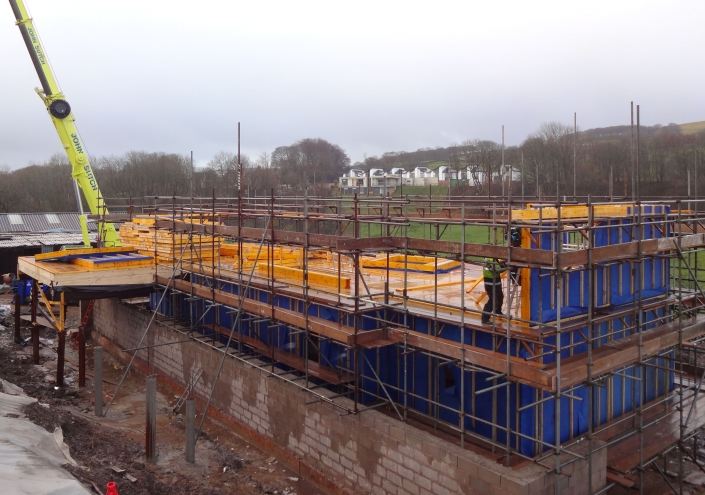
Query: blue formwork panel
(443,384)
(616,287)
(619,395)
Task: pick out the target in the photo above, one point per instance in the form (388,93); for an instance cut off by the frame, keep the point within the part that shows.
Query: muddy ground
(225,462)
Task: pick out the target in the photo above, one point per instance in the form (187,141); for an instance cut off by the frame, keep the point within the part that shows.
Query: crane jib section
(62,117)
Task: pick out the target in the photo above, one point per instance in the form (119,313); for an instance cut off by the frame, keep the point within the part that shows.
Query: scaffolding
(378,300)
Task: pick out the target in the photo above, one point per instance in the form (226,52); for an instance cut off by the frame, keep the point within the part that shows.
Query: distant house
(381,182)
(376,182)
(398,171)
(353,179)
(422,173)
(477,175)
(444,172)
(405,178)
(423,176)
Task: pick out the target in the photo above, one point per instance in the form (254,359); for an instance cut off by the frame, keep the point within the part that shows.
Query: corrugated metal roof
(42,222)
(50,239)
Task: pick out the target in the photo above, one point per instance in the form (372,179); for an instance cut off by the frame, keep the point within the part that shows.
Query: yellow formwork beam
(124,263)
(572,212)
(233,249)
(416,263)
(71,252)
(428,286)
(475,283)
(314,277)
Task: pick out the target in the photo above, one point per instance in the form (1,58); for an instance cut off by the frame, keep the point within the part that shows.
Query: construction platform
(600,300)
(89,267)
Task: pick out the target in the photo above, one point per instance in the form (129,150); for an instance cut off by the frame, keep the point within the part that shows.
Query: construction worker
(492,272)
(515,241)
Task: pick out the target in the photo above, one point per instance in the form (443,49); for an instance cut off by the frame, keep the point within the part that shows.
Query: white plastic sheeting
(31,457)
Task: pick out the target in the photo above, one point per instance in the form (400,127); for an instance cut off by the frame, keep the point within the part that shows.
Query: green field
(473,234)
(693,127)
(436,191)
(697,267)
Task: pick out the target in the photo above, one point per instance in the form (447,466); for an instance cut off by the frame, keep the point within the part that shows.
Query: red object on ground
(112,488)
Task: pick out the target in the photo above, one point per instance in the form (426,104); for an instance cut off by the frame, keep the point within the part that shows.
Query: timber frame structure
(608,374)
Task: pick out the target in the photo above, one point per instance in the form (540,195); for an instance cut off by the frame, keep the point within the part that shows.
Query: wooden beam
(526,371)
(532,256)
(628,250)
(280,236)
(366,337)
(315,369)
(366,244)
(333,330)
(624,351)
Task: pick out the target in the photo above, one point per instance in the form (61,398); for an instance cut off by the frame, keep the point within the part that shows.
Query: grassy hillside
(693,127)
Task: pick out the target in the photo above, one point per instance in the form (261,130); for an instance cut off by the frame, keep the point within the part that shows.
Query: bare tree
(225,166)
(264,160)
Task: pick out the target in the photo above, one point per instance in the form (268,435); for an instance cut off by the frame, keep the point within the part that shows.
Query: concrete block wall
(353,454)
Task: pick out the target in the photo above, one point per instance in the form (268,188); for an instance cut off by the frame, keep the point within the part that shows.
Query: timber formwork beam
(330,329)
(622,352)
(531,256)
(292,360)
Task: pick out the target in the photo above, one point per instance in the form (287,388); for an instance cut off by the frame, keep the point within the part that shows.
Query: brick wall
(354,454)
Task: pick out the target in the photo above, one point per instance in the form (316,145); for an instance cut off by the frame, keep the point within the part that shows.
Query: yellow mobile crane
(63,119)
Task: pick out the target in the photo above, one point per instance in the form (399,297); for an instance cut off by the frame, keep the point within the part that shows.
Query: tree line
(669,160)
(548,159)
(46,186)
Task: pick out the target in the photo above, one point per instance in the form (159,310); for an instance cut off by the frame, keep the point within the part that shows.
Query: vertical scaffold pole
(559,302)
(98,380)
(591,331)
(35,326)
(356,261)
(304,265)
(462,326)
(61,350)
(18,319)
(151,419)
(191,430)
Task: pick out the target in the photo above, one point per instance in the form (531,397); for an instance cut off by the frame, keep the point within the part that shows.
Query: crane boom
(61,115)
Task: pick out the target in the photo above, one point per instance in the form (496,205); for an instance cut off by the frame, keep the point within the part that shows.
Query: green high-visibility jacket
(492,269)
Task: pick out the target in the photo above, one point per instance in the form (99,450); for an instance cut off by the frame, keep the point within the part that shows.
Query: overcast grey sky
(370,76)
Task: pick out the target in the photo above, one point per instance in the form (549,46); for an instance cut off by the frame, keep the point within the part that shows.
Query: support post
(98,379)
(35,327)
(18,320)
(35,343)
(62,342)
(191,430)
(151,425)
(81,356)
(33,304)
(60,361)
